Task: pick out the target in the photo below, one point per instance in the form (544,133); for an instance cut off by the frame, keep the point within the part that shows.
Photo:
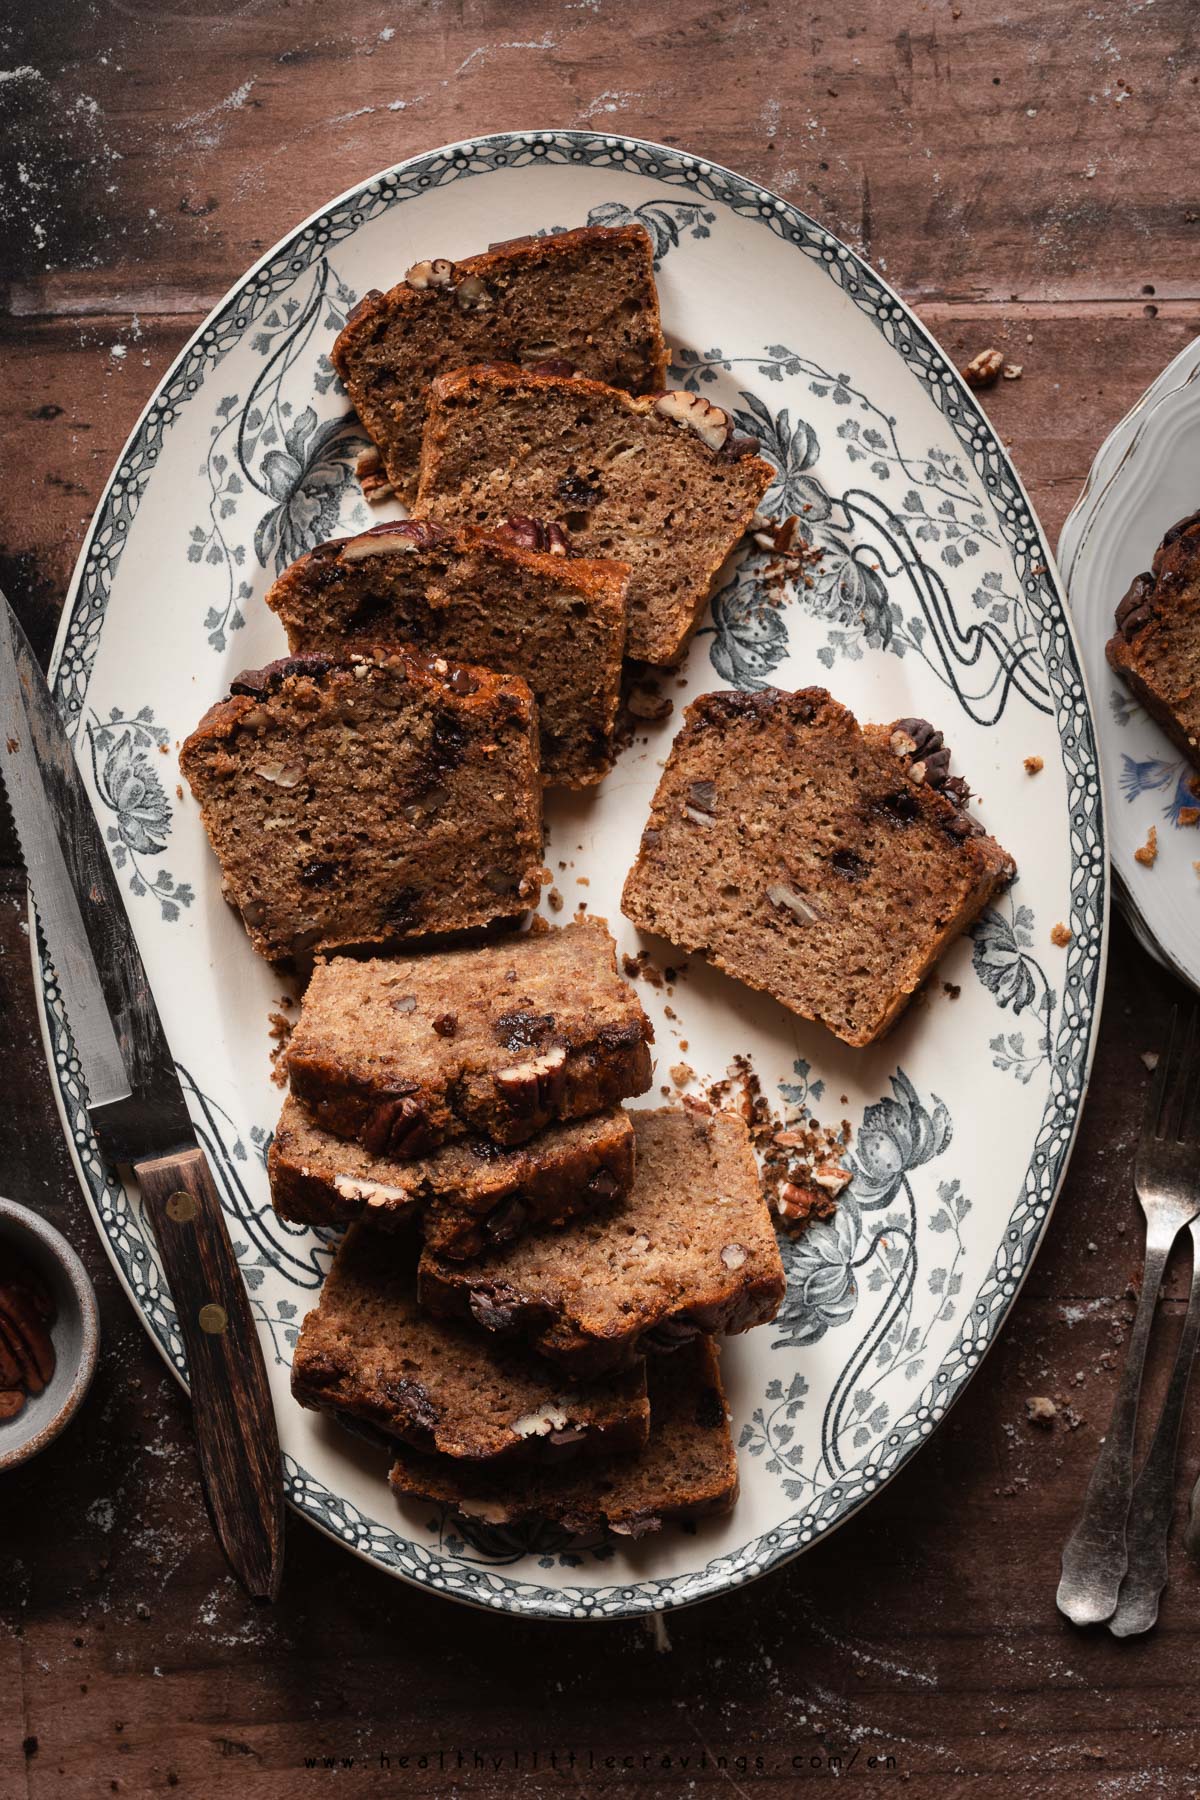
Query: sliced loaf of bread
(825,863)
(687,1471)
(408,1053)
(469,1196)
(661,482)
(584,297)
(367,1351)
(690,1249)
(1156,644)
(370,798)
(512,600)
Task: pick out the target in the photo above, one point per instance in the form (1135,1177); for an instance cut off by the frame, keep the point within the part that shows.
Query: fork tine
(1154,1104)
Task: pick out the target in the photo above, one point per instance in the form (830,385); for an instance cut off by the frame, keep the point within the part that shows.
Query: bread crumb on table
(1187,815)
(1034,765)
(984,369)
(1060,936)
(1040,1411)
(1148,854)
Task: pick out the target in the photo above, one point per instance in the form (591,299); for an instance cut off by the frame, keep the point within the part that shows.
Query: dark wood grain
(1024,173)
(233,1418)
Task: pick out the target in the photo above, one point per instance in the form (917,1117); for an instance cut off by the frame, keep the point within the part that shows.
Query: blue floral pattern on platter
(130,788)
(261,445)
(1173,777)
(886,1278)
(871,550)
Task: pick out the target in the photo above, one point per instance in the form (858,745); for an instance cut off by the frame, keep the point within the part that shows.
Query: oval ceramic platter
(1144,478)
(935,596)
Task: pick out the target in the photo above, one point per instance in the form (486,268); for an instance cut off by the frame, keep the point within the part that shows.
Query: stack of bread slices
(531,1281)
(528,1292)
(567,514)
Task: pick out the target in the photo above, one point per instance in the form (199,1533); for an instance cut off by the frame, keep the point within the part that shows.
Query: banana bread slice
(690,1249)
(413,1052)
(470,1195)
(828,865)
(370,799)
(687,1471)
(584,297)
(1156,646)
(662,483)
(513,600)
(367,1350)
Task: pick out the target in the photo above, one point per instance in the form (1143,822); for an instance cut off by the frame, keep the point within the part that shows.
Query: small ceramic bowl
(75,1332)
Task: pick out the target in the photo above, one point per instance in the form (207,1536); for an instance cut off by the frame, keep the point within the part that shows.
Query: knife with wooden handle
(139,1113)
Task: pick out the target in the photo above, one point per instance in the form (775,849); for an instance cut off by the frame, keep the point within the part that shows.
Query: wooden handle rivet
(213,1319)
(181,1207)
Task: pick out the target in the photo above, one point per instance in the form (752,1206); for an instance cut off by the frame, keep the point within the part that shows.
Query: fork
(1153,1504)
(1095,1556)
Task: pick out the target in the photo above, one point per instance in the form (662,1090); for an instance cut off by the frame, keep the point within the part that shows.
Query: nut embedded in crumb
(1040,1411)
(1187,815)
(1034,765)
(1148,854)
(1060,935)
(800,1205)
(372,479)
(983,370)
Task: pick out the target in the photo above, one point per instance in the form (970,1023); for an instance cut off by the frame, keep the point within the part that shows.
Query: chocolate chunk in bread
(583,299)
(367,1351)
(470,1195)
(690,1249)
(408,1053)
(662,483)
(512,600)
(826,864)
(687,1471)
(1156,646)
(368,799)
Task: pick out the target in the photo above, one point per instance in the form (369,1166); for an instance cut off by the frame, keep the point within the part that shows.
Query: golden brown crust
(468,1196)
(544,1028)
(784,941)
(1156,645)
(511,254)
(477,597)
(312,778)
(690,1250)
(687,1471)
(661,620)
(367,1351)
(379,313)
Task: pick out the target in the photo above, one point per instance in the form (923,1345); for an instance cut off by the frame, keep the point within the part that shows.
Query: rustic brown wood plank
(1025,174)
(974,156)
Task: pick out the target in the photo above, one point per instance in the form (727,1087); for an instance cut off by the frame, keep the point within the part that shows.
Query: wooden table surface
(1024,173)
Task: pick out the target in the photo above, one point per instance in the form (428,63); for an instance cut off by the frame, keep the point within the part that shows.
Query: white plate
(1146,476)
(937,597)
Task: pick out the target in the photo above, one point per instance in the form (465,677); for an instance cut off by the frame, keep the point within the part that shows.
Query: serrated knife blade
(134,1095)
(139,1112)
